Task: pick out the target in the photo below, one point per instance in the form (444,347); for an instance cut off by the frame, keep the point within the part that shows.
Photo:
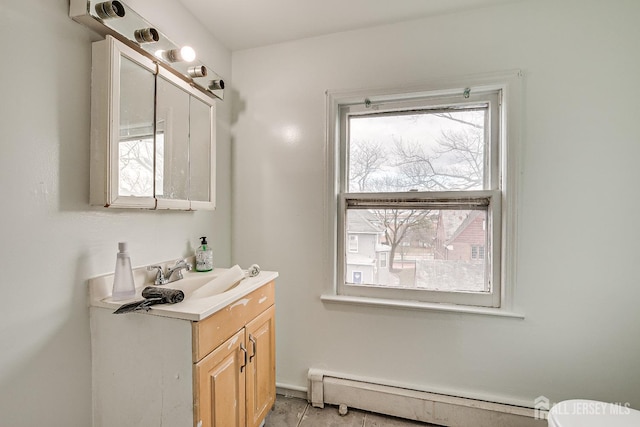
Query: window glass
(431,249)
(428,150)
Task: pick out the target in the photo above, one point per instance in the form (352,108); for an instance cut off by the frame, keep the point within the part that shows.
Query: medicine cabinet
(152,134)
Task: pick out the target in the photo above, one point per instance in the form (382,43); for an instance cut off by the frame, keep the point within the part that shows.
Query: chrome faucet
(173,273)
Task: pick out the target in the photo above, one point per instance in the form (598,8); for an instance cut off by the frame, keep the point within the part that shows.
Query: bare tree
(464,148)
(136,167)
(398,223)
(364,159)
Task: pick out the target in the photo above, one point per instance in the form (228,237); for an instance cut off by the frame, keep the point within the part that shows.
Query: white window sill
(418,305)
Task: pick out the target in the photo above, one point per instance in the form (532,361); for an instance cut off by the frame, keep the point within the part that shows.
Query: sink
(196,285)
(205,293)
(191,282)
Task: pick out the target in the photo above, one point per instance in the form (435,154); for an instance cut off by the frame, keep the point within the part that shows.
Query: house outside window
(362,258)
(428,171)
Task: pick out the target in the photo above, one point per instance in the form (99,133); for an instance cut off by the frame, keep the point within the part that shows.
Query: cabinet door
(202,159)
(122,138)
(185,147)
(172,142)
(261,368)
(220,385)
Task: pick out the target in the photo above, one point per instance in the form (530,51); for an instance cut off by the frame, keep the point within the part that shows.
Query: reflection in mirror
(160,158)
(173,110)
(200,150)
(135,148)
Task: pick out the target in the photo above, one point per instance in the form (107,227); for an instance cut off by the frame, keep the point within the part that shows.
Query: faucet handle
(184,264)
(160,280)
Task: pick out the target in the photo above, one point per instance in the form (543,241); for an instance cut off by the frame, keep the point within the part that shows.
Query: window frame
(500,199)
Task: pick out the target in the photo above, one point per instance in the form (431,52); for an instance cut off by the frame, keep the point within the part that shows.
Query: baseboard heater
(337,389)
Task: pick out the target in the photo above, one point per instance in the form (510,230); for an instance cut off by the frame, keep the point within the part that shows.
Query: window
(383,260)
(477,252)
(427,171)
(353,243)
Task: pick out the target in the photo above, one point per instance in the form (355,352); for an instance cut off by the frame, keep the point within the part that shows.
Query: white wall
(578,207)
(51,240)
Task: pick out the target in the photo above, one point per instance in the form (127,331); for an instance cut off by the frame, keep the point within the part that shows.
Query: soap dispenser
(123,285)
(204,256)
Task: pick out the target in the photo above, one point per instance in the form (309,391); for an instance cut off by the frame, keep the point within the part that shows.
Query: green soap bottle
(204,256)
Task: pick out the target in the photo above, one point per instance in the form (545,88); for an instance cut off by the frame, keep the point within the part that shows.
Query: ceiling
(243,24)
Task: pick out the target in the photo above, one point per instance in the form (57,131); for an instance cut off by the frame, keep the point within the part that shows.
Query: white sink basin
(204,285)
(205,293)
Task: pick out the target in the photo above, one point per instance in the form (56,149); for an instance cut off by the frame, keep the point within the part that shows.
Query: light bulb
(184,54)
(188,54)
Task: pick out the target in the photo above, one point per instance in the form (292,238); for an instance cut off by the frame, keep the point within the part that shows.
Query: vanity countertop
(194,309)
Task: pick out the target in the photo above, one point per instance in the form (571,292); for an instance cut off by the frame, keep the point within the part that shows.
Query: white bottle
(123,285)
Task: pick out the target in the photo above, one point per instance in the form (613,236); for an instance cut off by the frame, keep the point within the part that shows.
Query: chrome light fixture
(216,84)
(146,35)
(110,9)
(197,71)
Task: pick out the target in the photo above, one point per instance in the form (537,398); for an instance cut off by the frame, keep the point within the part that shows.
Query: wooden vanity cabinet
(234,371)
(152,371)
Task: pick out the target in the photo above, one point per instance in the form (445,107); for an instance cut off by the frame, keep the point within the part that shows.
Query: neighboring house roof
(363,221)
(450,222)
(382,248)
(357,259)
(467,221)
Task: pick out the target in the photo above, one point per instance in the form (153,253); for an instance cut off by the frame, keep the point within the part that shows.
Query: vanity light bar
(120,21)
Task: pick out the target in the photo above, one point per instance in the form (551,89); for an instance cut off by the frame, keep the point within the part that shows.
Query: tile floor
(294,412)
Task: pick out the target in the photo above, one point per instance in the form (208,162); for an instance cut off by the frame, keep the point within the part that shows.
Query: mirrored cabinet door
(172,142)
(202,154)
(184,145)
(136,143)
(122,123)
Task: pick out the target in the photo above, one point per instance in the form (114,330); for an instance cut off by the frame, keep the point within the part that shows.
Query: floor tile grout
(306,408)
